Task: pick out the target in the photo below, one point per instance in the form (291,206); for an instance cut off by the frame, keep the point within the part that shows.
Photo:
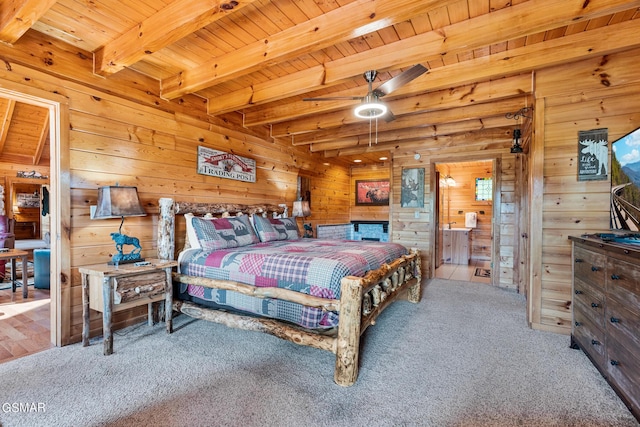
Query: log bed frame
(362,299)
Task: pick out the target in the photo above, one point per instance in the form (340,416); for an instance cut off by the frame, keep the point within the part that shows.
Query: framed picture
(593,155)
(372,192)
(412,186)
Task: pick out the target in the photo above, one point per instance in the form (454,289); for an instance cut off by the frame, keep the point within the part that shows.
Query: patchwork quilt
(310,266)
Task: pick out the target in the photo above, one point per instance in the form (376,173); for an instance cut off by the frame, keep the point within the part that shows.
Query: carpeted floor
(463,356)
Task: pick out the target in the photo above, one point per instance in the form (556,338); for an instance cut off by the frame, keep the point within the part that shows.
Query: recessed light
(383,158)
(357,161)
(417,156)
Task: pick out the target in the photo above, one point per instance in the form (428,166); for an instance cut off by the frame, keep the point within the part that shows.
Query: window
(484,189)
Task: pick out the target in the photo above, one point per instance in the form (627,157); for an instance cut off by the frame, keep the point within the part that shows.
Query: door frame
(59,203)
(495,211)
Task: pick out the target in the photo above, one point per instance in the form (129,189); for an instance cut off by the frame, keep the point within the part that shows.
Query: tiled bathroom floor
(463,272)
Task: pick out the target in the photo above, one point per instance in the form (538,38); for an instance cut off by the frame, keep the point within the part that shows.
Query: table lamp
(301,209)
(120,202)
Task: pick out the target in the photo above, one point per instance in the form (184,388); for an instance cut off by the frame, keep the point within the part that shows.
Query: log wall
(153,146)
(604,93)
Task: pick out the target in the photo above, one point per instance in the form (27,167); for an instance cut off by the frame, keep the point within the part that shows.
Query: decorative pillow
(205,235)
(235,231)
(192,238)
(276,228)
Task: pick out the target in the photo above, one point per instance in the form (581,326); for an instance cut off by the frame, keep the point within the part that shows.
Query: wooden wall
(604,93)
(380,171)
(153,145)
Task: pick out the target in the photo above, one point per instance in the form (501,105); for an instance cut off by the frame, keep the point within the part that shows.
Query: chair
(7,240)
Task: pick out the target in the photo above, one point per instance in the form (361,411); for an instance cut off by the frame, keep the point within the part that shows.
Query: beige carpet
(463,356)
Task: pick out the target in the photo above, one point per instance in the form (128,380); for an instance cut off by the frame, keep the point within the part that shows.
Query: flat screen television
(625,183)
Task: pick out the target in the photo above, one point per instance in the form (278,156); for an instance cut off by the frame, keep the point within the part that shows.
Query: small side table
(12,255)
(109,289)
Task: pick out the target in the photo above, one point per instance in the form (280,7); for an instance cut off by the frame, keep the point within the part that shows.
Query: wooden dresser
(606,312)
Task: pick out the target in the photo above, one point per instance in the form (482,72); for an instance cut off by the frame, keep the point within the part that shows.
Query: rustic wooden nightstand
(109,289)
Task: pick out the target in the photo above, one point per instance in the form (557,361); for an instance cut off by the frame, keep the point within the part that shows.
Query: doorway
(56,110)
(464,212)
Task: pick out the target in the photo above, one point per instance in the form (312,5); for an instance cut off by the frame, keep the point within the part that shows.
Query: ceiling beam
(490,139)
(174,22)
(17,16)
(42,140)
(530,17)
(407,134)
(338,118)
(344,23)
(540,55)
(6,123)
(456,38)
(452,96)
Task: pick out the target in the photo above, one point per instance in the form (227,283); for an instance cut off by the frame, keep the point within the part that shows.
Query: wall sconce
(301,209)
(516,147)
(120,202)
(448,181)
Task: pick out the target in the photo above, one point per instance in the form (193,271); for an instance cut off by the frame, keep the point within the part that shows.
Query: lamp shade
(301,208)
(118,202)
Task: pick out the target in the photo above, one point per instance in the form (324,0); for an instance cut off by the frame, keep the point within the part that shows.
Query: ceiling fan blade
(335,98)
(399,80)
(389,117)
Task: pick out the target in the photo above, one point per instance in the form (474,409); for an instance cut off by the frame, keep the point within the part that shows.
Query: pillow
(192,238)
(223,233)
(205,235)
(270,229)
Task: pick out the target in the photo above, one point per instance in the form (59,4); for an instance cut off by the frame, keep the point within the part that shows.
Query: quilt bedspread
(310,266)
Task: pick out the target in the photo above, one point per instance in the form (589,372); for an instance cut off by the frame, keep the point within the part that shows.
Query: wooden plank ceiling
(255,60)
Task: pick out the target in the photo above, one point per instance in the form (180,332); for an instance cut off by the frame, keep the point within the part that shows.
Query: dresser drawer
(589,266)
(623,283)
(622,367)
(589,336)
(590,301)
(623,325)
(131,288)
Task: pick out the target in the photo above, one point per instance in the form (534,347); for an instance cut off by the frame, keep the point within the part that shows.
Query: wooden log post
(166,229)
(415,291)
(348,341)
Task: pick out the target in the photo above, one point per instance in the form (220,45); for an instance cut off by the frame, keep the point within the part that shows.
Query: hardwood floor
(24,324)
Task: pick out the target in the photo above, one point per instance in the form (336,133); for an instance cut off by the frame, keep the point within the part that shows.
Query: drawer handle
(595,305)
(614,320)
(595,342)
(579,260)
(615,363)
(615,277)
(579,292)
(594,268)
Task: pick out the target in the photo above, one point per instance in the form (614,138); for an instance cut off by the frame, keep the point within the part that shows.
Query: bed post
(414,292)
(166,229)
(348,340)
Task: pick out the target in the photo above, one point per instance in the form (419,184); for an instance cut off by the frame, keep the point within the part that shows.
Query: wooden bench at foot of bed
(362,299)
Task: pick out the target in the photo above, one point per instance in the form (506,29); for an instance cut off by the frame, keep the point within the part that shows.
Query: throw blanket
(310,266)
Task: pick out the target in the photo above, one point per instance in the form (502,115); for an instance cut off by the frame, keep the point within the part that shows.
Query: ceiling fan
(371,107)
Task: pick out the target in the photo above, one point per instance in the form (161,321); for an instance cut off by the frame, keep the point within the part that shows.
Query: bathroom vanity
(456,245)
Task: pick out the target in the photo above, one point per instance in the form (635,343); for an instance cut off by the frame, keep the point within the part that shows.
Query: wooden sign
(593,155)
(225,165)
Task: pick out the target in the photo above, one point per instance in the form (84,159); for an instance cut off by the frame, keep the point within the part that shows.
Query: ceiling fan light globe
(370,110)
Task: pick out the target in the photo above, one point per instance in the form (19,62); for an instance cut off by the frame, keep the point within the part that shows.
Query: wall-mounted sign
(593,155)
(225,165)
